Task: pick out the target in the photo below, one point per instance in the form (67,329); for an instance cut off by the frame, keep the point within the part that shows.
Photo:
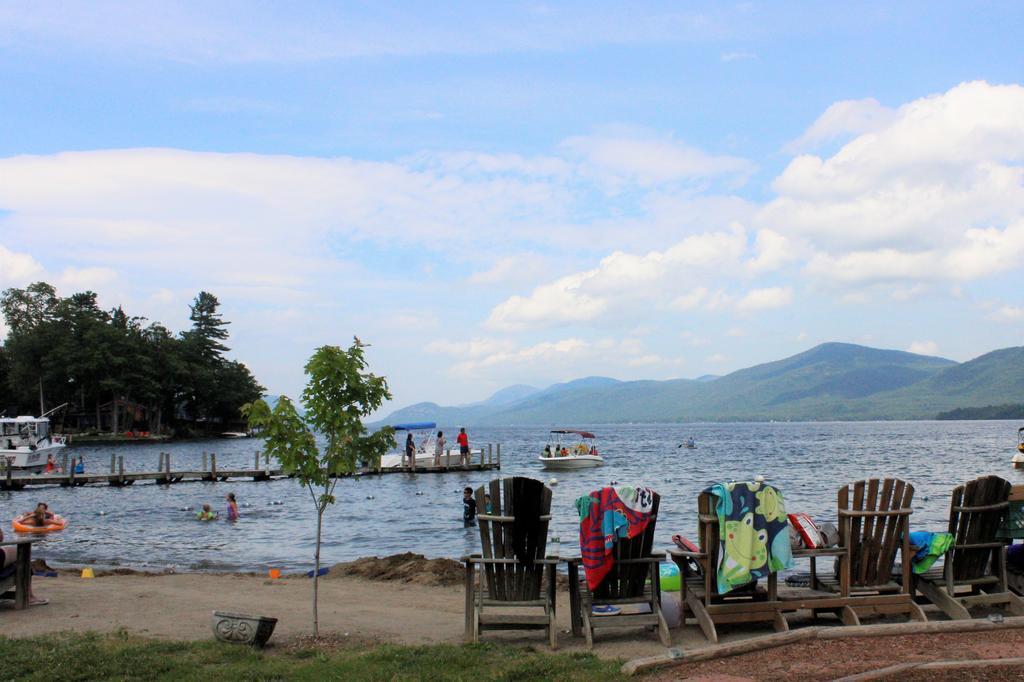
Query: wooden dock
(166,475)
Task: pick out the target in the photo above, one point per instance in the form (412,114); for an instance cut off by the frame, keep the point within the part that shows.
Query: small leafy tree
(340,392)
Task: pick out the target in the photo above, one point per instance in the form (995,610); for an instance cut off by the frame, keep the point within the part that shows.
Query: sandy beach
(410,600)
(178,606)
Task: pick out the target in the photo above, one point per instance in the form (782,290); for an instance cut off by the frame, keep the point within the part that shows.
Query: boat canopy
(414,426)
(581,434)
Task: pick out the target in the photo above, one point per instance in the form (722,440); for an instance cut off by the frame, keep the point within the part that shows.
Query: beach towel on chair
(753,532)
(927,548)
(605,516)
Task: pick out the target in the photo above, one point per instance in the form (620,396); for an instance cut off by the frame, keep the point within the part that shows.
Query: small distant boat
(690,443)
(234,434)
(26,442)
(583,455)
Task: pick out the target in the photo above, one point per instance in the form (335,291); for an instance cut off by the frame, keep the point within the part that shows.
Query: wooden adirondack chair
(977,559)
(635,579)
(699,590)
(874,522)
(513,566)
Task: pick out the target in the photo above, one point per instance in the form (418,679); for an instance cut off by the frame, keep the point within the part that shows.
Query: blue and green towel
(927,548)
(753,533)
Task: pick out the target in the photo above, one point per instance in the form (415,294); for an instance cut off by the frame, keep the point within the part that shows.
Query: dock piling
(204,461)
(8,465)
(499,455)
(64,463)
(490,454)
(213,465)
(120,469)
(112,462)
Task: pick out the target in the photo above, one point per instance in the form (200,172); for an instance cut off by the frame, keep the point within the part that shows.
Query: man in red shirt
(463,441)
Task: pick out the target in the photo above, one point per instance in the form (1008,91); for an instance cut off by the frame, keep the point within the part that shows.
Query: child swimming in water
(206,514)
(232,507)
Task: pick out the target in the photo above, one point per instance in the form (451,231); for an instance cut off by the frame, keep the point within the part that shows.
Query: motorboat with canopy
(563,457)
(424,436)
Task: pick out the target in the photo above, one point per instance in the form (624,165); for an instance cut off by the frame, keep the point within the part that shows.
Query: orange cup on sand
(275,573)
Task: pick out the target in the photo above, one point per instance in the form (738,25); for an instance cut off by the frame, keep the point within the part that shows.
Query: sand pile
(406,568)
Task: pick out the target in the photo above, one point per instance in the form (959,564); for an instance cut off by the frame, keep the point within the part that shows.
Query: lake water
(144,525)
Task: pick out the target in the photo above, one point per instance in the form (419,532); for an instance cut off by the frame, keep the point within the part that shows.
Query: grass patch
(73,656)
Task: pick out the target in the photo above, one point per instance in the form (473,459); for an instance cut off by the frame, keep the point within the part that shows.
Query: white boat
(234,434)
(424,448)
(582,455)
(26,442)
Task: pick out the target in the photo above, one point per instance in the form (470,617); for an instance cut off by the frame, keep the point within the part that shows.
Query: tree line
(118,372)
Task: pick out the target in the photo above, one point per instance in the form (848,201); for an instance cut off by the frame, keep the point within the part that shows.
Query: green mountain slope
(833,381)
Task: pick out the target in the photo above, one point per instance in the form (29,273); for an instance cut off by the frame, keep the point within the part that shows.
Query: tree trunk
(316,570)
(114,410)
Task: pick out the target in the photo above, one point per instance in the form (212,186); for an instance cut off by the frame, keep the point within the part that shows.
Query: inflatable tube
(58,522)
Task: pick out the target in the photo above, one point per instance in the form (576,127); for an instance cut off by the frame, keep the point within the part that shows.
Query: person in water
(206,514)
(51,466)
(80,467)
(410,450)
(232,507)
(439,448)
(468,508)
(40,516)
(8,555)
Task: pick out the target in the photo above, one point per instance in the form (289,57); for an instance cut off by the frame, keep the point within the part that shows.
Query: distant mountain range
(833,381)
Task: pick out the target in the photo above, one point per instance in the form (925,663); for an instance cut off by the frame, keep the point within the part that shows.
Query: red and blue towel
(605,516)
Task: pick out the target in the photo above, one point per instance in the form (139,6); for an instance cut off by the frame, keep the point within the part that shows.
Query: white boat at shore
(424,449)
(583,455)
(26,443)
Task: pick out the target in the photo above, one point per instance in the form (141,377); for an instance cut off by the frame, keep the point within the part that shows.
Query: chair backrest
(874,522)
(515,529)
(976,514)
(625,581)
(709,539)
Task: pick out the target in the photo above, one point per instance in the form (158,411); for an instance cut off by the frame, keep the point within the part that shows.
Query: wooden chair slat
(871,503)
(855,532)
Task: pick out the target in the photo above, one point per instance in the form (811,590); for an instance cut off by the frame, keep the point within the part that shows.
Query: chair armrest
(641,560)
(821,551)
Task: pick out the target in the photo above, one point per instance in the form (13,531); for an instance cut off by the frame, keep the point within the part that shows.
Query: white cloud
(620,278)
(18,269)
(934,191)
(848,116)
(924,348)
(518,269)
(645,159)
(1007,313)
(765,299)
(736,56)
(234,31)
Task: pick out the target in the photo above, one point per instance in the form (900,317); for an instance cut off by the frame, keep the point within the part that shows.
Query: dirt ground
(831,659)
(411,600)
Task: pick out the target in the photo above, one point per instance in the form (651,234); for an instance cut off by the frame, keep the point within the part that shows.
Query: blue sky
(526,192)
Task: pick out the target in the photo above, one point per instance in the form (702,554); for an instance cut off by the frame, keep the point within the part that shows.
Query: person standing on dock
(410,450)
(439,448)
(463,447)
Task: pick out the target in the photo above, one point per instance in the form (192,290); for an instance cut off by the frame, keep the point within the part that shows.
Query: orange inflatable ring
(19,524)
